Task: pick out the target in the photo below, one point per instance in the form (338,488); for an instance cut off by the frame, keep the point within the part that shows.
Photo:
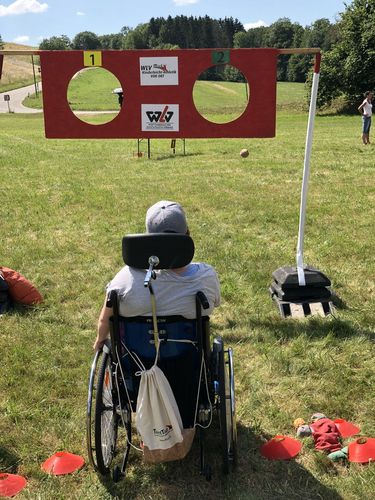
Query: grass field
(65,207)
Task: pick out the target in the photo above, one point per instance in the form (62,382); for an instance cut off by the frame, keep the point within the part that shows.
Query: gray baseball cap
(166,217)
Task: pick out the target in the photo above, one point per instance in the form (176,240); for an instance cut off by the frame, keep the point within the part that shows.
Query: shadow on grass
(8,461)
(279,328)
(171,156)
(18,309)
(254,477)
(338,302)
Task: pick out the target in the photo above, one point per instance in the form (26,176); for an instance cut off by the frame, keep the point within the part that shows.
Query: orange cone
(345,428)
(63,462)
(362,450)
(11,484)
(281,448)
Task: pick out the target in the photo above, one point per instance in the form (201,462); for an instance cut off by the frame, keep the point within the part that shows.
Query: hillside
(17,70)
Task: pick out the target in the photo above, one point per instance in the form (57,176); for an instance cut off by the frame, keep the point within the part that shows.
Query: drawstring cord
(155,323)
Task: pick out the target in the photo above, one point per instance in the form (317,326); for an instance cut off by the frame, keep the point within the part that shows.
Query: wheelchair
(200,375)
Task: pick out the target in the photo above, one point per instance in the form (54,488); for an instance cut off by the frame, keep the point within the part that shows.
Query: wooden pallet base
(302,309)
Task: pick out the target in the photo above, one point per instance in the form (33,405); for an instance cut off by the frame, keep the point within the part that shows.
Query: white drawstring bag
(158,419)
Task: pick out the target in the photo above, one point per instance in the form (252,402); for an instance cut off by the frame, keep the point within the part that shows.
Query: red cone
(11,484)
(345,428)
(362,450)
(63,462)
(281,448)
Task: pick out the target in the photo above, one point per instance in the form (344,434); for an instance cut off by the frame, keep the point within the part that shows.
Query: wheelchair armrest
(203,300)
(111,298)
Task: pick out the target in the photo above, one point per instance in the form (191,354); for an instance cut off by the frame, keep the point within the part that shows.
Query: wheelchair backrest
(179,356)
(177,336)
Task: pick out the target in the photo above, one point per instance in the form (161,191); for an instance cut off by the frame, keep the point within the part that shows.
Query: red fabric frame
(258,119)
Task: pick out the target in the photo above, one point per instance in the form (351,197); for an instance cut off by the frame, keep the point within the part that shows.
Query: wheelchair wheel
(90,429)
(231,406)
(106,418)
(111,420)
(227,408)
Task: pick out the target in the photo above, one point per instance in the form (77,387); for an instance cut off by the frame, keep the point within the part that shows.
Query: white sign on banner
(160,117)
(158,70)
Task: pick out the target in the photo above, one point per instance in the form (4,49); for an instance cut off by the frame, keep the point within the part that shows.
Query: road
(16,98)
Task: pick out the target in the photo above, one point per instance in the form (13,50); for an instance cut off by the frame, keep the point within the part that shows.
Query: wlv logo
(160,116)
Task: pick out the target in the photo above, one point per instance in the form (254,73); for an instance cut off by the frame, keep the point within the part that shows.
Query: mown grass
(66,205)
(18,84)
(90,90)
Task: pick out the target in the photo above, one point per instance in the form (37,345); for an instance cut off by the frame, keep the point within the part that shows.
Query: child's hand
(98,344)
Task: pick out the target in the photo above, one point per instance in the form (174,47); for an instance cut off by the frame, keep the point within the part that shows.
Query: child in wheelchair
(158,363)
(175,289)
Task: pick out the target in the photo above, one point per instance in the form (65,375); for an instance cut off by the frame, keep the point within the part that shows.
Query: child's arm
(103,326)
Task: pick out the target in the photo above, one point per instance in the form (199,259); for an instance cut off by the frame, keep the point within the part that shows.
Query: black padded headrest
(173,250)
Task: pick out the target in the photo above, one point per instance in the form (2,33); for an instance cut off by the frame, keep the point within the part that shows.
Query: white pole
(306,173)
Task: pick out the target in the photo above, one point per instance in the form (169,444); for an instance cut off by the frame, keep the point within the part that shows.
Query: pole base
(293,300)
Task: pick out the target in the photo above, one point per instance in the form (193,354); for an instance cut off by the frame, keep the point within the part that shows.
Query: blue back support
(138,336)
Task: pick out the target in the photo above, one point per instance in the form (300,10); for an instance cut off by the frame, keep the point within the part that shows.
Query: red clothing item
(326,435)
(20,289)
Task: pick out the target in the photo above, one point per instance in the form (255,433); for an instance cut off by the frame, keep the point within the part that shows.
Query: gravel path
(16,98)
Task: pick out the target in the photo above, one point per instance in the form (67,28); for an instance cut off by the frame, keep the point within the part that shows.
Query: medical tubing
(196,424)
(135,358)
(129,401)
(199,300)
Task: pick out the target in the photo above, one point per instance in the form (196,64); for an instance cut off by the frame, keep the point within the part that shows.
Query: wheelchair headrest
(173,250)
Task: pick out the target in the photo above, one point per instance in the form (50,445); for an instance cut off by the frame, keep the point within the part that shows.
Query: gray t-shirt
(174,293)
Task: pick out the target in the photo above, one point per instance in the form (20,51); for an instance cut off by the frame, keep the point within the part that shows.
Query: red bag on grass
(20,289)
(326,435)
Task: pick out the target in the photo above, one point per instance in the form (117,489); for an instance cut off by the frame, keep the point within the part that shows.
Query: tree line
(348,46)
(182,32)
(159,33)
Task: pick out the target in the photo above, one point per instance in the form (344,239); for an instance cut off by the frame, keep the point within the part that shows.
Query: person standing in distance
(366,111)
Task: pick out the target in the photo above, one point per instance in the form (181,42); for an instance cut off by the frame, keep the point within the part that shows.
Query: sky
(29,21)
